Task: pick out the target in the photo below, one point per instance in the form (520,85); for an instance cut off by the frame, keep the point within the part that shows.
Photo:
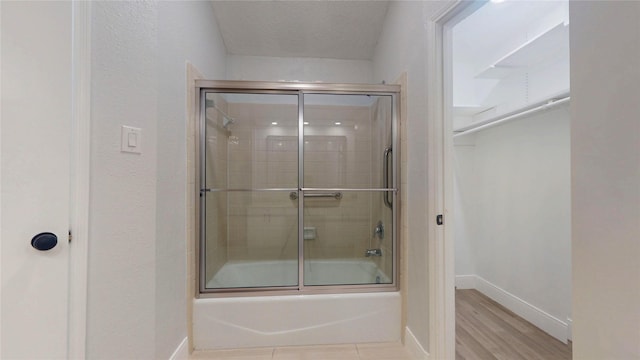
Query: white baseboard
(548,323)
(182,351)
(569,329)
(465,281)
(543,320)
(412,345)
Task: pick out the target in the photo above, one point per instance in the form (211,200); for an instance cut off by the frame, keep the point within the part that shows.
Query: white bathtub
(282,273)
(284,320)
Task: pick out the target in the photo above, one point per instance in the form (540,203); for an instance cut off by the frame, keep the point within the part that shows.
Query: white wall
(605,136)
(513,219)
(264,68)
(187,31)
(137,252)
(121,291)
(465,204)
(401,48)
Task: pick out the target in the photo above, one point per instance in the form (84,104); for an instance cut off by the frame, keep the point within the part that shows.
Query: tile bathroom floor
(377,351)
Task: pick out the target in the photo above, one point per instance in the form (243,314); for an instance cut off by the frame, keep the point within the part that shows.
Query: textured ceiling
(323,29)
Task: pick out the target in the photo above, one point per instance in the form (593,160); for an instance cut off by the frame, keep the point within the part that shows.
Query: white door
(34,189)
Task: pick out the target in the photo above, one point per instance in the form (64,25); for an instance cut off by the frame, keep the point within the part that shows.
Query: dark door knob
(44,241)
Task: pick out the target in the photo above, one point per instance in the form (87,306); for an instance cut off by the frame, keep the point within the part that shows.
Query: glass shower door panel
(261,247)
(338,234)
(250,168)
(348,229)
(251,141)
(344,140)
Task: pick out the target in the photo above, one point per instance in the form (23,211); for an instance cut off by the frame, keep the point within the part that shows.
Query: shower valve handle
(373,252)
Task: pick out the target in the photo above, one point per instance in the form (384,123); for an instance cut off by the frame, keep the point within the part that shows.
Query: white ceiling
(322,29)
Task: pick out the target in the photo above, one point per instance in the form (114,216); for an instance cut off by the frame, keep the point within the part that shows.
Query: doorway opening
(506,97)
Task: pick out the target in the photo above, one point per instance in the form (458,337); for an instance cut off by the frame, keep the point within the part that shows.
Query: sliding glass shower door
(296,187)
(348,192)
(251,165)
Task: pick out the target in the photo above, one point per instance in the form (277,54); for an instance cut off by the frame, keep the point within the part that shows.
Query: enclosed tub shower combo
(297,215)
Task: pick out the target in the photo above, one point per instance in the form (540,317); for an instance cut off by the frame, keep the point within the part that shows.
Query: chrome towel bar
(336,195)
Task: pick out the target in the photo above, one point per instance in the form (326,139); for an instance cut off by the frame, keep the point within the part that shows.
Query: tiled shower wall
(338,156)
(263,224)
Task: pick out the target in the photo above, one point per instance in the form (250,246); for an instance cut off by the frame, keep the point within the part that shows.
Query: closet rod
(497,121)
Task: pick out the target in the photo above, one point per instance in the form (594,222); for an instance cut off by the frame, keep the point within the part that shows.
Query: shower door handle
(388,201)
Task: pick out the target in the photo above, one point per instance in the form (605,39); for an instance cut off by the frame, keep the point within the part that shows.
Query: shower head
(226,121)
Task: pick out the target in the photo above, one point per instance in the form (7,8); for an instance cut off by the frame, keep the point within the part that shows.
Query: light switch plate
(131,141)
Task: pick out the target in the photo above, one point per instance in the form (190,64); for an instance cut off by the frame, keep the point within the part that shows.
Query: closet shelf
(550,44)
(469,110)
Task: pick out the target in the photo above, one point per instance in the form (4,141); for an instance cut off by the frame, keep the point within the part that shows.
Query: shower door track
(299,89)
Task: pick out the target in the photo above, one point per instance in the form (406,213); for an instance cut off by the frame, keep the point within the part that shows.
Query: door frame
(441,253)
(80,176)
(0,189)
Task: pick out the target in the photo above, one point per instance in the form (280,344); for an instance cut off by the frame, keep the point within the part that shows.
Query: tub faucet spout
(373,252)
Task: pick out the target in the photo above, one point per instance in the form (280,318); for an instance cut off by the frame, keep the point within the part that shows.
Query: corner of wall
(413,346)
(182,351)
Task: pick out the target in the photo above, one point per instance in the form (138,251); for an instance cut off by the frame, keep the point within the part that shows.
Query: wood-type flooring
(486,330)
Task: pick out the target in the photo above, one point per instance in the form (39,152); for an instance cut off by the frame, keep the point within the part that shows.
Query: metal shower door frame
(300,89)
